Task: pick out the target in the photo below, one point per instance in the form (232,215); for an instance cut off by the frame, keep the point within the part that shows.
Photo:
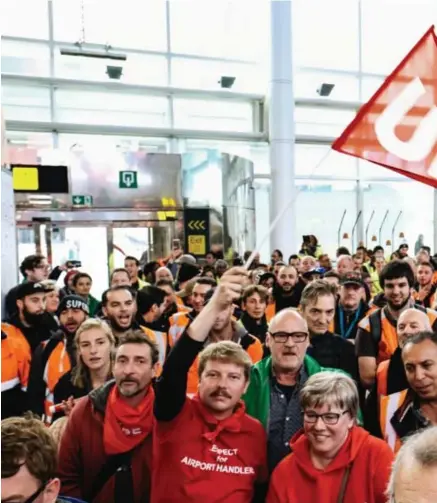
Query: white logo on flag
(424,138)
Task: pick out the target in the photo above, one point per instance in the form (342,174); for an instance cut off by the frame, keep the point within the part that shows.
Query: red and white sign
(397,127)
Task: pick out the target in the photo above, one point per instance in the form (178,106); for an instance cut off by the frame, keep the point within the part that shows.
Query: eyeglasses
(329,418)
(39,491)
(282,337)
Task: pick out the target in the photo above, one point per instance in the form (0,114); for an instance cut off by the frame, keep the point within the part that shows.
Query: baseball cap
(352,278)
(186,259)
(314,270)
(29,288)
(72,302)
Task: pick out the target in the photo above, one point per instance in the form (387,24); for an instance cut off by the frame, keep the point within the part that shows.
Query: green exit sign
(80,200)
(128,180)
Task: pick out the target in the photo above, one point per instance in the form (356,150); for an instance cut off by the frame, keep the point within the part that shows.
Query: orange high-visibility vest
(387,409)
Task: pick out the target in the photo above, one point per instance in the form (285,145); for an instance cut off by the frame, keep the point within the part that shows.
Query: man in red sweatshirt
(207,449)
(106,450)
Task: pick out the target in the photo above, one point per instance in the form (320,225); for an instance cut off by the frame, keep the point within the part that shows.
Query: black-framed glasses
(282,337)
(329,418)
(35,495)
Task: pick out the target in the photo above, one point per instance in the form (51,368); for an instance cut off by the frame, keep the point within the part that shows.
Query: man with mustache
(31,319)
(55,357)
(287,291)
(376,338)
(275,382)
(209,448)
(106,450)
(414,408)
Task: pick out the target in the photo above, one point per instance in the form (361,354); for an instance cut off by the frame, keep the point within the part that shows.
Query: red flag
(397,127)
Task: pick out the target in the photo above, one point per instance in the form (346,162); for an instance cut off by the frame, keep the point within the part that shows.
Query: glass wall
(170,98)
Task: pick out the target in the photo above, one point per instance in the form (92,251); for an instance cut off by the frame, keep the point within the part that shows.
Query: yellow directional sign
(197,245)
(197,225)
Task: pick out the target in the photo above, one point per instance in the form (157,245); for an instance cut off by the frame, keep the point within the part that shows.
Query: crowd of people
(307,380)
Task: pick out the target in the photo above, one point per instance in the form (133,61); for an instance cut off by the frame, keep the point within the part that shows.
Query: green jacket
(257,397)
(93,305)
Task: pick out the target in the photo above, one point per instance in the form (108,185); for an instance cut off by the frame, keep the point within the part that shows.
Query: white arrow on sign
(77,200)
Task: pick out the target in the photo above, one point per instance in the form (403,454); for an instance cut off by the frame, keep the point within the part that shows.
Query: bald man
(414,475)
(390,375)
(345,265)
(276,381)
(163,273)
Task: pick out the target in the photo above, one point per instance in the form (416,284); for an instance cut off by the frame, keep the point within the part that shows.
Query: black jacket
(258,329)
(36,334)
(362,310)
(37,386)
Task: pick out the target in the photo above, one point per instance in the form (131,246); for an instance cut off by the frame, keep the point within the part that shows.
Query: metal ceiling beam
(9,78)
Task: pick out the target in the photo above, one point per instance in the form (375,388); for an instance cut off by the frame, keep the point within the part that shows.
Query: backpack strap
(376,325)
(120,466)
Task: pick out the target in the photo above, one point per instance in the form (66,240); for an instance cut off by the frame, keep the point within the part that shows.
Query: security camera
(325,89)
(114,72)
(226,82)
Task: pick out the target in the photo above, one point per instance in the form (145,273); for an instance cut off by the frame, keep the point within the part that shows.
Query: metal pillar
(282,134)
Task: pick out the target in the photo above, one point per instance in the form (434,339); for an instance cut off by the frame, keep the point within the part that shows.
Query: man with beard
(119,308)
(351,308)
(55,357)
(287,291)
(254,305)
(106,450)
(31,319)
(376,338)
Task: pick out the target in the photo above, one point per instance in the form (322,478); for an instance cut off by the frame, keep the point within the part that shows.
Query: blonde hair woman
(94,343)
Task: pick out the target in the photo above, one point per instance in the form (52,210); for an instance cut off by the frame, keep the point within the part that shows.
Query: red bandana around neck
(124,426)
(231,423)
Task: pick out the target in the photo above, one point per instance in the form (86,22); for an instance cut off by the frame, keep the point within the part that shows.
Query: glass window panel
(214,115)
(204,74)
(137,69)
(325,34)
(335,164)
(321,205)
(369,87)
(321,121)
(307,83)
(370,170)
(391,29)
(131,23)
(414,199)
(21,102)
(25,147)
(258,153)
(123,143)
(24,18)
(223,29)
(25,58)
(113,108)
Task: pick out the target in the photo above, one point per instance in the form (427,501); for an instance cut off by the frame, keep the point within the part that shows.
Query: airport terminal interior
(148,148)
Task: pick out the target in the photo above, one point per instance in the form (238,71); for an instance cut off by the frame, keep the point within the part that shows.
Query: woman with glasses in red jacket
(333,460)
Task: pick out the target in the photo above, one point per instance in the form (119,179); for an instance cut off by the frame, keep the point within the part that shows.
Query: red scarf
(231,423)
(124,426)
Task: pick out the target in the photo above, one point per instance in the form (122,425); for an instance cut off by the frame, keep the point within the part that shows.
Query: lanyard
(342,322)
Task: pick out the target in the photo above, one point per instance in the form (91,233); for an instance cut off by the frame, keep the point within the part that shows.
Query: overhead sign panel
(40,179)
(197,231)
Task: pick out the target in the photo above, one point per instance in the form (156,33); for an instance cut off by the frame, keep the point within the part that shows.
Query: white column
(281,128)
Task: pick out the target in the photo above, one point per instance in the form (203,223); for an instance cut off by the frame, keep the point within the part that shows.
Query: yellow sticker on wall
(25,178)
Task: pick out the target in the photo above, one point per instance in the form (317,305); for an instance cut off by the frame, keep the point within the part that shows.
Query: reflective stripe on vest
(7,385)
(388,407)
(178,323)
